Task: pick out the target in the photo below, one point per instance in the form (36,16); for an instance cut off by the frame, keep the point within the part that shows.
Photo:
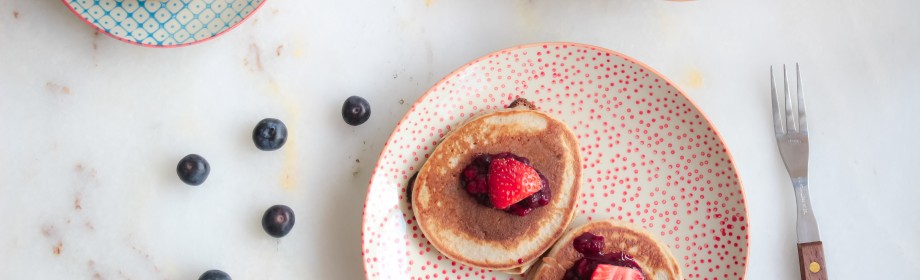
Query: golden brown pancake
(483,237)
(654,258)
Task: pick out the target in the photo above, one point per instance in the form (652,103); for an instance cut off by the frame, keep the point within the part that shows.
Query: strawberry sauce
(592,247)
(475,179)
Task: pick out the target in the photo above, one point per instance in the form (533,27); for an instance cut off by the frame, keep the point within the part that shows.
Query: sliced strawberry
(612,272)
(511,181)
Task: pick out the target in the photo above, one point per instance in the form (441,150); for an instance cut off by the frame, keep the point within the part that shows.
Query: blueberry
(214,274)
(356,110)
(193,169)
(278,220)
(269,135)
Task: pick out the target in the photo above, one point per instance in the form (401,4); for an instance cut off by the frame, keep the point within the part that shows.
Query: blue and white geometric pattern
(163,22)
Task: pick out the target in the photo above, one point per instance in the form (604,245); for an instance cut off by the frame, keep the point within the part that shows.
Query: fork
(792,138)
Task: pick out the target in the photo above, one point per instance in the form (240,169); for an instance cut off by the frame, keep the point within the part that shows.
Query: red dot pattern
(649,158)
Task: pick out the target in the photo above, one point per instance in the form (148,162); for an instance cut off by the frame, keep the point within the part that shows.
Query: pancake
(483,237)
(654,258)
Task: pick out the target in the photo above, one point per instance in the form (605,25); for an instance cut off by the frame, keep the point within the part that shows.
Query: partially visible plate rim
(101,30)
(542,44)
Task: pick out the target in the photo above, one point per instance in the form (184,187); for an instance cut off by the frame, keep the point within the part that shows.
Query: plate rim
(462,68)
(101,30)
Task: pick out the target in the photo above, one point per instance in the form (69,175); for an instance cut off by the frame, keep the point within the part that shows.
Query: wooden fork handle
(811,261)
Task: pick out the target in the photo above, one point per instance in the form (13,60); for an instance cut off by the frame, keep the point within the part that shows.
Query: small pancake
(483,237)
(654,258)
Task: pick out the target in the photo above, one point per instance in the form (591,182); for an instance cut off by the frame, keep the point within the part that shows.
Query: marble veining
(93,127)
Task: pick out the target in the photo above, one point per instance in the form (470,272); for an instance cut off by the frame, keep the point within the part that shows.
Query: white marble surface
(93,127)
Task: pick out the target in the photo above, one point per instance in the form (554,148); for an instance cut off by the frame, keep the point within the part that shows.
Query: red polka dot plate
(649,156)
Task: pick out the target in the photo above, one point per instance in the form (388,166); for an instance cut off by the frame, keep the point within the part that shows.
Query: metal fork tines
(792,138)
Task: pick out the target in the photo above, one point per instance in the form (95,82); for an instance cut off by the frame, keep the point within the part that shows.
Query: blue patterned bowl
(163,23)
